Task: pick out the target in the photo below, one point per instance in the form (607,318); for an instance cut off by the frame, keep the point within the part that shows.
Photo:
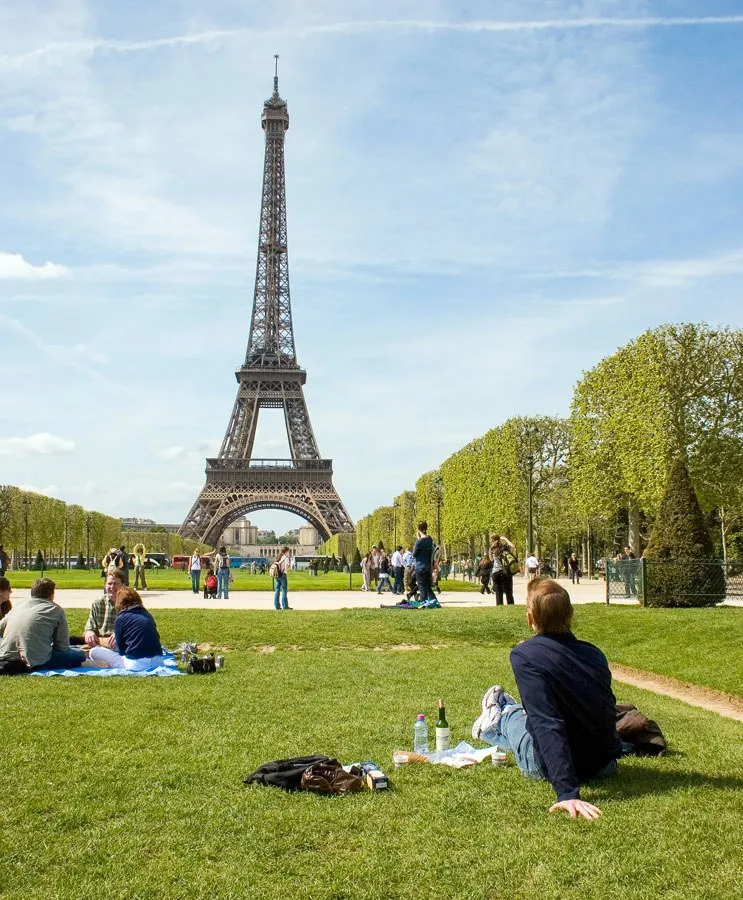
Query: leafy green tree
(680,569)
(675,391)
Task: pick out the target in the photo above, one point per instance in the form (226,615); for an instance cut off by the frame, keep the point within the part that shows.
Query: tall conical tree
(679,556)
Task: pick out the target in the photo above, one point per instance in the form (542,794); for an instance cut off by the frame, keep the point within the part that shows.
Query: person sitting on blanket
(5,592)
(99,628)
(136,641)
(36,632)
(564,730)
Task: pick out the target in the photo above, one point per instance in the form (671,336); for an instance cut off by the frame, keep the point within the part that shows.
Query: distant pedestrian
(398,571)
(366,571)
(384,574)
(123,561)
(423,554)
(574,569)
(376,556)
(532,566)
(283,564)
(222,567)
(4,561)
(484,571)
(195,569)
(139,560)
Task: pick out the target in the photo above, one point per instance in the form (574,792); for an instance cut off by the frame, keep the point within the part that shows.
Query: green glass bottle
(442,729)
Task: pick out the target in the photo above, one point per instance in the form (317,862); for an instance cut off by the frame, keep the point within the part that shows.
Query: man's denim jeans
(223,583)
(280,589)
(511,734)
(195,577)
(63,659)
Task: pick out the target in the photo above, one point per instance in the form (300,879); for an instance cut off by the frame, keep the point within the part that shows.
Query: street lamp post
(531,432)
(26,503)
(88,523)
(439,486)
(394,524)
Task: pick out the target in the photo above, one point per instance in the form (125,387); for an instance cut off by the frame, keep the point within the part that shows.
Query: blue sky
(484,199)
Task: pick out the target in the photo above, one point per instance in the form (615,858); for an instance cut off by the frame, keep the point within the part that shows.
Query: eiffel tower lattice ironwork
(236,483)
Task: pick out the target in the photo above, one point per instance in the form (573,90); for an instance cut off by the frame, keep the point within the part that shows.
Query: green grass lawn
(697,645)
(133,787)
(178,580)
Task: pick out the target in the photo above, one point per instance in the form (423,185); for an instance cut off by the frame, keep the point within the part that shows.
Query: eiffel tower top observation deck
(237,484)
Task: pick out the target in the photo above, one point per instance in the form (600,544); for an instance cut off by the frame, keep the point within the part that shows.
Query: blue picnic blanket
(169,667)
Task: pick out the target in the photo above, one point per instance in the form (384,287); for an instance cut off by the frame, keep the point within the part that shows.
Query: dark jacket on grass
(565,687)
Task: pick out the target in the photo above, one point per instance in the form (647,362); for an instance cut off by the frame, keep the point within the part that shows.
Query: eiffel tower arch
(270,377)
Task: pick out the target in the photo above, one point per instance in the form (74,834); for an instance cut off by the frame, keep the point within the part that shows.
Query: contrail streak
(87,48)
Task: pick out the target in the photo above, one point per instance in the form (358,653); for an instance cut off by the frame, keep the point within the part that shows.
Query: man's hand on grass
(575,808)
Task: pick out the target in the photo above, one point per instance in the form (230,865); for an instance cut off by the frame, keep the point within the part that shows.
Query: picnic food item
(403,757)
(442,730)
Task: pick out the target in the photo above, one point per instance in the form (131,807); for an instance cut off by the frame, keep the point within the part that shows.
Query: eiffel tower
(270,377)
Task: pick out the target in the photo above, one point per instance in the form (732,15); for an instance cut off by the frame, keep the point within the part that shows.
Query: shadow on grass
(630,783)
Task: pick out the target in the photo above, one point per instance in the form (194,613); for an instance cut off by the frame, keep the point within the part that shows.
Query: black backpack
(285,773)
(13,665)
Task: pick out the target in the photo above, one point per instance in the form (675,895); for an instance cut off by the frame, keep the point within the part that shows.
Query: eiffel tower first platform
(236,483)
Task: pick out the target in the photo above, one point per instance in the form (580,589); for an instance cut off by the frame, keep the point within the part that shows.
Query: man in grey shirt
(36,632)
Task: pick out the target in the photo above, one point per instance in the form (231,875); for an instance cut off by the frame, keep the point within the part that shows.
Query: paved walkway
(586,592)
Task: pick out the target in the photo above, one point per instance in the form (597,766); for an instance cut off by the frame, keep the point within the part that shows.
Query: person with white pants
(137,642)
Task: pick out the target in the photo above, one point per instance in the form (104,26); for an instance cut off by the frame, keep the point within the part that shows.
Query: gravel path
(715,701)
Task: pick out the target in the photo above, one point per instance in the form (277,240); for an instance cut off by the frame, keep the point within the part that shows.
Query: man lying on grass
(565,730)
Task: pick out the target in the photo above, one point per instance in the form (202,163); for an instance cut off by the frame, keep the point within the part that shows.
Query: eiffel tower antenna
(270,377)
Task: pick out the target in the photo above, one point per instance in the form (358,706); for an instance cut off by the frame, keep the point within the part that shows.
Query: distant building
(241,539)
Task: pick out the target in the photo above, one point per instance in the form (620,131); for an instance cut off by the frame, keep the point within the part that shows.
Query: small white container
(498,758)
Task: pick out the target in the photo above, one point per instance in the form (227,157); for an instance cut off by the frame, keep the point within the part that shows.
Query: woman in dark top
(138,645)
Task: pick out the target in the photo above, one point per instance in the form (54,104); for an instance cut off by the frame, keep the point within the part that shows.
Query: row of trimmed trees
(597,477)
(62,530)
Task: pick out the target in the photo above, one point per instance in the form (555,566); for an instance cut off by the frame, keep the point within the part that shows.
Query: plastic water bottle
(420,734)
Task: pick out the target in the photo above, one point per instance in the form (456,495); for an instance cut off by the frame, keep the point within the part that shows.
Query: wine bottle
(442,729)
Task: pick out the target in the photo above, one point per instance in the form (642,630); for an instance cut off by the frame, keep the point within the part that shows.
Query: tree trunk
(633,512)
(724,538)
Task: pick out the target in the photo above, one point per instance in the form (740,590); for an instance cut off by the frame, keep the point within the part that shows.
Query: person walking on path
(4,561)
(366,571)
(384,574)
(574,569)
(564,729)
(484,571)
(195,569)
(504,552)
(139,560)
(532,566)
(280,580)
(423,550)
(398,570)
(222,566)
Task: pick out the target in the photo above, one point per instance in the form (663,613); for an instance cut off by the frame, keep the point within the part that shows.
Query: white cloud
(51,490)
(171,453)
(43,443)
(56,49)
(13,265)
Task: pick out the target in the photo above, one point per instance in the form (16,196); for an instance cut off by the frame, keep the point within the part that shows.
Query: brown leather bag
(635,728)
(331,778)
